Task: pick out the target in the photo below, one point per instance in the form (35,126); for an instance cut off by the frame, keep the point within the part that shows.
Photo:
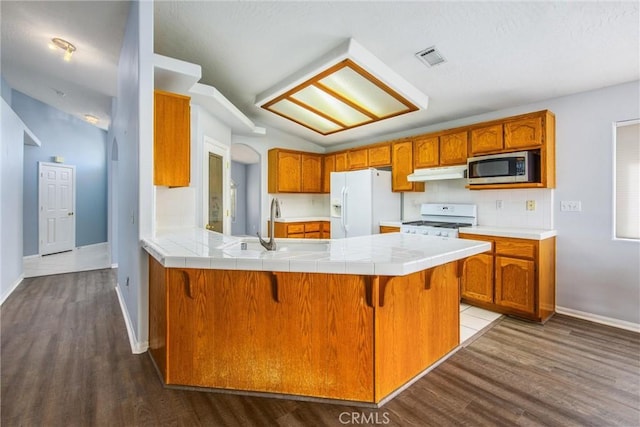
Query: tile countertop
(303,219)
(379,254)
(514,232)
(519,233)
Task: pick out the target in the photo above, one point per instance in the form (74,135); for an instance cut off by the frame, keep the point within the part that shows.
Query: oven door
(500,168)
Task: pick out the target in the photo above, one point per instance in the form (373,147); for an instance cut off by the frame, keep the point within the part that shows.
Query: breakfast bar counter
(354,319)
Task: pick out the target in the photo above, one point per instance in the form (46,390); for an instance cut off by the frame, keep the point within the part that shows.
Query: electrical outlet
(571,206)
(531,205)
(499,205)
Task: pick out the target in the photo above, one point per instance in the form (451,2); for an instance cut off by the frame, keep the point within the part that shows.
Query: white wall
(132,127)
(11,165)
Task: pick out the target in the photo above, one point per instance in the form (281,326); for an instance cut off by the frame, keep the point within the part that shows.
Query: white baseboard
(136,347)
(12,288)
(609,321)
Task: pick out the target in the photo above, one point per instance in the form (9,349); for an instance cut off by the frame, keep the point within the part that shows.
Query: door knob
(70,213)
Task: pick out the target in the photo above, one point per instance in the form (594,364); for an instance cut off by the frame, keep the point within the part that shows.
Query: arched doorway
(245,190)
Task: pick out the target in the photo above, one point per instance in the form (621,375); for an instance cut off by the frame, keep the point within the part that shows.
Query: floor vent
(431,56)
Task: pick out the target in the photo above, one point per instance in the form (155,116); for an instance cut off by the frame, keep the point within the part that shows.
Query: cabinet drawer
(311,227)
(295,228)
(314,235)
(296,236)
(480,238)
(518,248)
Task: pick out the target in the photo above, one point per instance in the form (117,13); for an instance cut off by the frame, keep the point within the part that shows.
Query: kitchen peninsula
(353,319)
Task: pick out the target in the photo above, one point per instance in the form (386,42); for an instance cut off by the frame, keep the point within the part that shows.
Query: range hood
(436,174)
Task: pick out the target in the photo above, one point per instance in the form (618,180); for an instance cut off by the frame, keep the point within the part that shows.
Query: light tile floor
(84,258)
(473,320)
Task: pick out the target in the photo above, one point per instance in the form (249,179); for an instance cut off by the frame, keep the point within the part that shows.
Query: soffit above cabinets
(173,75)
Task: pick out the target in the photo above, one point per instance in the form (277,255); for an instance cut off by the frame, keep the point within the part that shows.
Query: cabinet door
(487,139)
(515,283)
(328,166)
(342,162)
(358,159)
(289,171)
(402,165)
(190,329)
(325,232)
(477,278)
(380,155)
(171,140)
(388,229)
(426,151)
(311,173)
(523,133)
(453,149)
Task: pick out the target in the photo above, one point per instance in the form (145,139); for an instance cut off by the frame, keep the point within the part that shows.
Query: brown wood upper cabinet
(328,166)
(453,149)
(342,161)
(511,134)
(524,133)
(440,150)
(358,158)
(402,166)
(171,140)
(378,155)
(487,139)
(294,172)
(311,173)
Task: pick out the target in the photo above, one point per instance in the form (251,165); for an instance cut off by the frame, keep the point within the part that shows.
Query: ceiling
(499,54)
(87,82)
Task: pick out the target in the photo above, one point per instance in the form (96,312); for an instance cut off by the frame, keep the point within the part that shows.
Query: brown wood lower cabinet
(516,277)
(303,230)
(332,336)
(389,229)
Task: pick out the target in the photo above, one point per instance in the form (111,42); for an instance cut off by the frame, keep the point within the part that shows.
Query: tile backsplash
(302,205)
(175,207)
(504,208)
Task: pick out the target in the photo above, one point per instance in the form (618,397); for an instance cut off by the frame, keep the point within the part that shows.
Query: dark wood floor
(66,361)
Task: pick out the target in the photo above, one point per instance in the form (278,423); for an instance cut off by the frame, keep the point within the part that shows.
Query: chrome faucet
(270,245)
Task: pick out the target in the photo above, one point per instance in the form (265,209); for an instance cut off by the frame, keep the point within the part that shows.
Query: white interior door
(57,202)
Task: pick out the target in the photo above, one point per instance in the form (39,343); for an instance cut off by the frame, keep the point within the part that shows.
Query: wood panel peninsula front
(353,319)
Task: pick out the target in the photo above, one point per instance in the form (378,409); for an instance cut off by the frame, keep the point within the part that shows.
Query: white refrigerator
(360,200)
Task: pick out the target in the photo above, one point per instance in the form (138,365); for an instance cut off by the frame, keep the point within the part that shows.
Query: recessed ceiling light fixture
(64,45)
(91,118)
(346,88)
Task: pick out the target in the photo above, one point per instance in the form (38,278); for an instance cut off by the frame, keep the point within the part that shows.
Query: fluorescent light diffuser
(339,93)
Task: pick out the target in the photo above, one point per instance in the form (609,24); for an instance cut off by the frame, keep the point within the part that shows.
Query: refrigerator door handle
(344,210)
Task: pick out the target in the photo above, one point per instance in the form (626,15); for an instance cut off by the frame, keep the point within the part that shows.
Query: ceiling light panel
(304,117)
(366,91)
(339,98)
(328,105)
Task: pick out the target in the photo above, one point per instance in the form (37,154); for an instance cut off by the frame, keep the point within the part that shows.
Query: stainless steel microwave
(521,166)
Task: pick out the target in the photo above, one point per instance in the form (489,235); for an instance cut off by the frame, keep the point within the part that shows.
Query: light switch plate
(571,206)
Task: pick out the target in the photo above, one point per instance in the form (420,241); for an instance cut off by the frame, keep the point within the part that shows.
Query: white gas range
(438,219)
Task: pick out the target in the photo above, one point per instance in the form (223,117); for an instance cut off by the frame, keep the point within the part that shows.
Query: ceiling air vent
(430,56)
